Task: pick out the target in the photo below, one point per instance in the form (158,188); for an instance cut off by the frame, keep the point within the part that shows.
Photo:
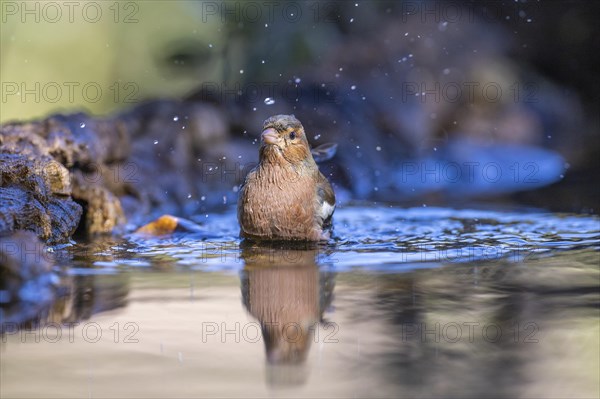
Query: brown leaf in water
(164,225)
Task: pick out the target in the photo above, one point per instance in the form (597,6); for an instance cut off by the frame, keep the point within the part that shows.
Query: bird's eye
(292,135)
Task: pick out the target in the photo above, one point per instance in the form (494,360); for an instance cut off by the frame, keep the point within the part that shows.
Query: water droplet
(202,198)
(406,34)
(297,80)
(446,71)
(266,25)
(317,137)
(241,71)
(189,196)
(82,125)
(351,20)
(235,189)
(378,148)
(353,87)
(175,118)
(210,45)
(357,147)
(254,109)
(269,101)
(155,142)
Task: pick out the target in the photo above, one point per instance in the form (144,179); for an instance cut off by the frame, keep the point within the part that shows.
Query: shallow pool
(424,302)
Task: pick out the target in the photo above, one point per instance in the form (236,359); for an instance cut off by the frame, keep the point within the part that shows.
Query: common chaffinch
(285,197)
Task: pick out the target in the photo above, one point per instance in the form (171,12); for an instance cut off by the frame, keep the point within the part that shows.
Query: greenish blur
(102,56)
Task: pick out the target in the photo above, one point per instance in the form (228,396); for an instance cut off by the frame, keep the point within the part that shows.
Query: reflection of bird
(285,290)
(285,197)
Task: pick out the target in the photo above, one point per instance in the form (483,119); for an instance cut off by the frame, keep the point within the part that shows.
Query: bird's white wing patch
(326,210)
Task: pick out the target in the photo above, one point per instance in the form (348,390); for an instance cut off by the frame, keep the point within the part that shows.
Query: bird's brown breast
(279,202)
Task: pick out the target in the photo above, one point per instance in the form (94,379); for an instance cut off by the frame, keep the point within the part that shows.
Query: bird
(285,197)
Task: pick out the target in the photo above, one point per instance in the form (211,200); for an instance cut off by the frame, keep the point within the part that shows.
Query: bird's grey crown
(282,122)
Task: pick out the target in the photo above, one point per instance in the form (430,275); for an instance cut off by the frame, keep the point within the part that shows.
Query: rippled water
(423,302)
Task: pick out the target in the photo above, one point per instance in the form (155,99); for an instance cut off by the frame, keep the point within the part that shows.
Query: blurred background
(430,102)
(456,122)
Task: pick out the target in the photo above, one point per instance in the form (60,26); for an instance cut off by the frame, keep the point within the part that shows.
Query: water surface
(424,302)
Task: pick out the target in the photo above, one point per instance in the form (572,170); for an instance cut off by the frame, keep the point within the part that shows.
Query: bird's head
(283,140)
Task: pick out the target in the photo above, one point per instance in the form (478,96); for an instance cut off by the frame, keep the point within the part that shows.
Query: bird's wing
(324,152)
(326,198)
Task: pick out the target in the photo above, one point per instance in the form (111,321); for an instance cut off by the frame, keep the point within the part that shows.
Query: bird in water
(286,197)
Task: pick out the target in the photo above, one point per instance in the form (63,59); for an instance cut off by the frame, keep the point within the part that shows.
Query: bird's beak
(270,136)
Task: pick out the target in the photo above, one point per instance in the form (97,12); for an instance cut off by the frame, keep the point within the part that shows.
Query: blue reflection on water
(380,239)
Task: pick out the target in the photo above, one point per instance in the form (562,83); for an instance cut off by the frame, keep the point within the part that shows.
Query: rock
(50,169)
(102,208)
(34,197)
(173,166)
